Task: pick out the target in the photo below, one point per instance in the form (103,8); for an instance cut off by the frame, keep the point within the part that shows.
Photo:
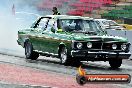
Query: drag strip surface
(52,65)
(29,75)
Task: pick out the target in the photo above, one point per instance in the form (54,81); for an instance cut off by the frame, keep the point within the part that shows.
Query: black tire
(115,63)
(76,62)
(29,53)
(68,60)
(63,56)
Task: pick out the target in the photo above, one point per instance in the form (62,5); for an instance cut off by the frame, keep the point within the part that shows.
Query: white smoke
(10,24)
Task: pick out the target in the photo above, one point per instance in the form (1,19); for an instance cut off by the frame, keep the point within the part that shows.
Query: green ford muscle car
(72,39)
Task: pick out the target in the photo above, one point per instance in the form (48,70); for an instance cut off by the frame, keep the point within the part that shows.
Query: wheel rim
(63,55)
(28,50)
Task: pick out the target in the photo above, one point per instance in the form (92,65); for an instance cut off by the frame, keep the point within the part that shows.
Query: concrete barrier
(122,33)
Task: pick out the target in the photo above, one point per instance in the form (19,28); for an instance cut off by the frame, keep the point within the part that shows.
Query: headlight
(89,45)
(123,46)
(114,46)
(79,45)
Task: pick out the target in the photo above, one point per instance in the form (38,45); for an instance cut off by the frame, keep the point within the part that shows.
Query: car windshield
(80,25)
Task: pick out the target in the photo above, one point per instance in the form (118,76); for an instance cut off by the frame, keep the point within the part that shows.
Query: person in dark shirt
(55,11)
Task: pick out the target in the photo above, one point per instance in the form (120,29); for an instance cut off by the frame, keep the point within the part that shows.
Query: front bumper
(100,54)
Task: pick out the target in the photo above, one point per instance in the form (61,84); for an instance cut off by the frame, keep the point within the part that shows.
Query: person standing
(55,11)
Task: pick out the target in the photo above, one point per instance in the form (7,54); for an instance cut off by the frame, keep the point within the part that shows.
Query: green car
(72,39)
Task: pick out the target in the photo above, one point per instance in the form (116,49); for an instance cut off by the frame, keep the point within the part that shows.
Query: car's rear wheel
(67,60)
(115,63)
(30,54)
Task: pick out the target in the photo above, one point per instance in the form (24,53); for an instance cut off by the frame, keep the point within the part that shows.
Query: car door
(47,37)
(36,32)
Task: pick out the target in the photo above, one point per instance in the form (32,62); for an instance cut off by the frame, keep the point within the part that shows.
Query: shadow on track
(88,66)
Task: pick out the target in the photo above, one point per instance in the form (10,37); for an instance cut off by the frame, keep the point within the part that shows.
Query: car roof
(63,17)
(100,19)
(67,17)
(87,18)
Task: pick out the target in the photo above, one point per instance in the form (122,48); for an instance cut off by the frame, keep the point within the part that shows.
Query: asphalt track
(15,70)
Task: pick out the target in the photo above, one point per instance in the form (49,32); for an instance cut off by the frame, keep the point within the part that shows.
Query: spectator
(55,11)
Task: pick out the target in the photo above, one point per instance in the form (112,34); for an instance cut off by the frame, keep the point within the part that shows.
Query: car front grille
(108,46)
(96,45)
(101,46)
(105,46)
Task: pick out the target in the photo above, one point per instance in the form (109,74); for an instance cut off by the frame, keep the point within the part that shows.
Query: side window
(97,22)
(43,23)
(51,24)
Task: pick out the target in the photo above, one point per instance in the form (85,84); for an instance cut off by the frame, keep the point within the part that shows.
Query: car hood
(104,38)
(117,27)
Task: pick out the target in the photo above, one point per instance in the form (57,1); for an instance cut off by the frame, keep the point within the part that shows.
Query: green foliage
(126,12)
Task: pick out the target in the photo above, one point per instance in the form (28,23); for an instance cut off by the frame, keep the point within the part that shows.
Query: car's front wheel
(30,54)
(63,56)
(67,60)
(115,63)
